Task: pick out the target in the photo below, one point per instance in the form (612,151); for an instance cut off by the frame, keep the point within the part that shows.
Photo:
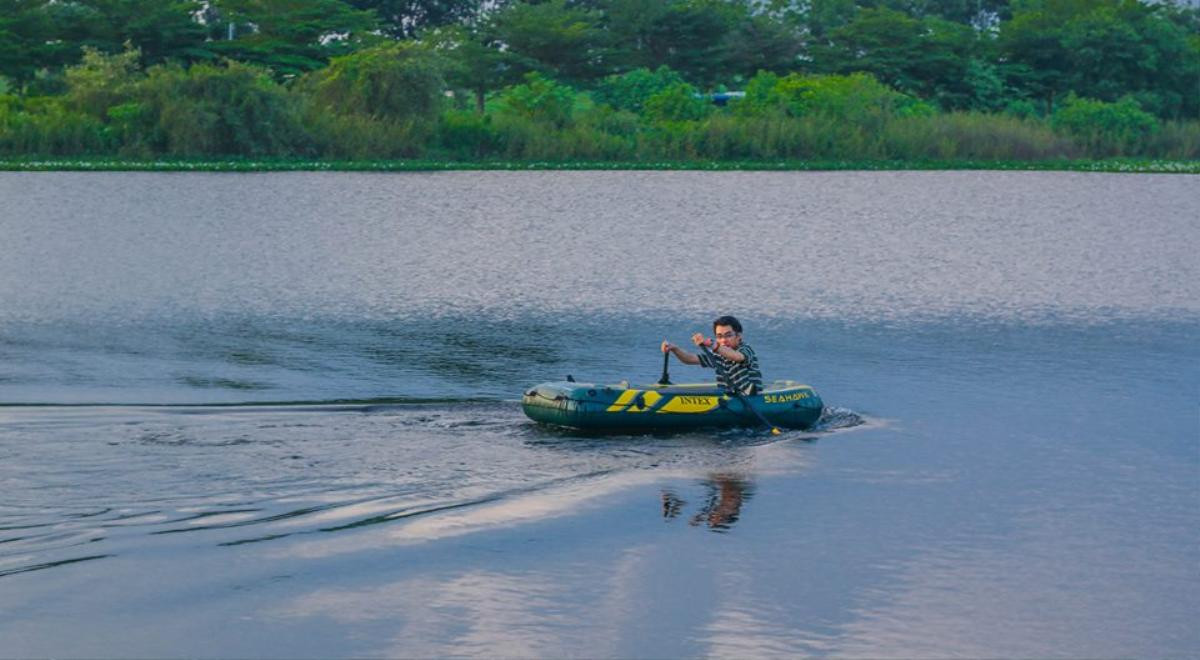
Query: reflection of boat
(599,407)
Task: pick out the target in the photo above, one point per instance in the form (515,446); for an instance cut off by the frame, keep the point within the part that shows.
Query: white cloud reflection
(488,613)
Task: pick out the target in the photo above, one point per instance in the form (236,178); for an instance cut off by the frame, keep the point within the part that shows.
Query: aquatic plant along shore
(100,164)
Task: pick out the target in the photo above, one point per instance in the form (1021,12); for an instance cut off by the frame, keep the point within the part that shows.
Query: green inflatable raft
(622,407)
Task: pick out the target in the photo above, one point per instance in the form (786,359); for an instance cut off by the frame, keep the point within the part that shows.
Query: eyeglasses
(727,335)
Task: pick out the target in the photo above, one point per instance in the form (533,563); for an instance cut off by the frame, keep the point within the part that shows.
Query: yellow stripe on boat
(622,400)
(686,403)
(648,401)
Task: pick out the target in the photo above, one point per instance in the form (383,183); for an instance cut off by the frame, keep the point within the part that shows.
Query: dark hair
(729,321)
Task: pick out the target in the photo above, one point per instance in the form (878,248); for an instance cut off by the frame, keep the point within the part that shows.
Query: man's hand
(700,340)
(667,346)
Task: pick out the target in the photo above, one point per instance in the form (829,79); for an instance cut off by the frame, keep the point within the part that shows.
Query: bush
(629,91)
(465,134)
(1106,128)
(1123,119)
(857,98)
(539,99)
(44,126)
(358,137)
(100,81)
(1021,109)
(211,110)
(397,81)
(974,136)
(679,102)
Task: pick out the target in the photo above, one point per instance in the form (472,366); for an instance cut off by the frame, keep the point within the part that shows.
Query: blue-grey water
(276,415)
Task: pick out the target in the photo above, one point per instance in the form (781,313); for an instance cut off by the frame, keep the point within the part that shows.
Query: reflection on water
(722,503)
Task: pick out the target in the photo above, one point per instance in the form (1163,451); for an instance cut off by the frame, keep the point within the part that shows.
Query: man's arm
(682,355)
(729,354)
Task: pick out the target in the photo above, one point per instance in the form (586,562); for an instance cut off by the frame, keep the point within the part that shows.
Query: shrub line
(426,165)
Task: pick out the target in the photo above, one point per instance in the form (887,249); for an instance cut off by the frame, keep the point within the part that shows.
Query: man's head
(728,332)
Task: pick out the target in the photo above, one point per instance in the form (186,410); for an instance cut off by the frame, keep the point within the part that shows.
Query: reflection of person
(726,494)
(671,504)
(733,359)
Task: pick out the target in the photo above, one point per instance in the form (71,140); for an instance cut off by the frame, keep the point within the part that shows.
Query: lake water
(276,415)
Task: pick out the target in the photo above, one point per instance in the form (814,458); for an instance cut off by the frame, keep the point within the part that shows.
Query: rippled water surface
(276,415)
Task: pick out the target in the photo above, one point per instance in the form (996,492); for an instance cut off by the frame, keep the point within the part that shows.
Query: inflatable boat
(589,406)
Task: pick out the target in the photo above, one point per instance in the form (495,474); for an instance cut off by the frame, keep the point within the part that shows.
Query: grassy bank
(100,164)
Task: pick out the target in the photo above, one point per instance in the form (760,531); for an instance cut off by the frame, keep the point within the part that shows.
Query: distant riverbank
(416,165)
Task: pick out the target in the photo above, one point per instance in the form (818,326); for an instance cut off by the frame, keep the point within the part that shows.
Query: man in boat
(734,360)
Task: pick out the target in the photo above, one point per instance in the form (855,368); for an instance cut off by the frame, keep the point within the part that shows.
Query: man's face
(727,337)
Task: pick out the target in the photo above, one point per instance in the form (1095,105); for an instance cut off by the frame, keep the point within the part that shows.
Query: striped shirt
(733,376)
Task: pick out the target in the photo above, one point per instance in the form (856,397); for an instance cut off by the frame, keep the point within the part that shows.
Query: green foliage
(709,42)
(290,37)
(230,110)
(466,135)
(629,91)
(929,57)
(360,137)
(857,98)
(25,29)
(1103,49)
(1021,109)
(974,136)
(1104,126)
(160,30)
(694,37)
(474,61)
(539,99)
(406,18)
(44,126)
(552,37)
(679,102)
(399,81)
(608,79)
(101,80)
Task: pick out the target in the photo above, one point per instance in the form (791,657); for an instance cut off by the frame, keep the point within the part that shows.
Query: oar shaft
(746,404)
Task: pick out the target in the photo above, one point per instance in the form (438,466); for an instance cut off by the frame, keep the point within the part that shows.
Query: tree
(761,43)
(1102,49)
(159,30)
(694,38)
(291,37)
(25,30)
(553,38)
(969,12)
(929,57)
(708,42)
(406,18)
(475,61)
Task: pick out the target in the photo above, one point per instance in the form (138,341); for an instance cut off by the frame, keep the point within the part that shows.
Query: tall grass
(233,113)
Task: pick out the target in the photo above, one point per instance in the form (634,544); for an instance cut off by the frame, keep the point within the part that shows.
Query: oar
(746,404)
(665,380)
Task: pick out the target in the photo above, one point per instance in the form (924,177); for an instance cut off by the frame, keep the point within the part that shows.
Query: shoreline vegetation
(101,164)
(423,85)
